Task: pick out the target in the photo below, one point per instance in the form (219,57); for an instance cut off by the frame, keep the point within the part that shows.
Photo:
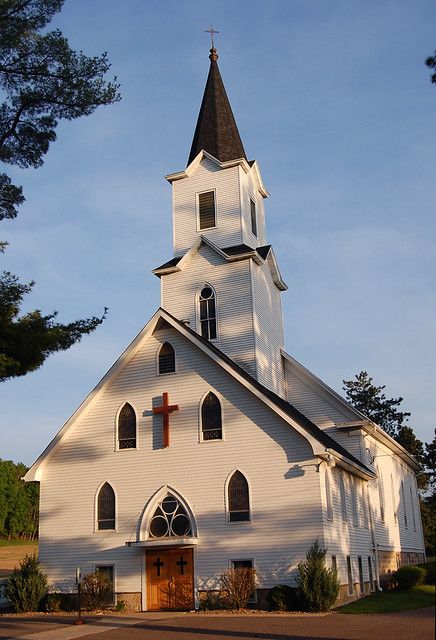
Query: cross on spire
(211,31)
(165,410)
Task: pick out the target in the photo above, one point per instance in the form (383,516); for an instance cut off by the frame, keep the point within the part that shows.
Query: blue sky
(334,101)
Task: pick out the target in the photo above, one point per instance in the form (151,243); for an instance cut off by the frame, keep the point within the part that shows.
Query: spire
(216,131)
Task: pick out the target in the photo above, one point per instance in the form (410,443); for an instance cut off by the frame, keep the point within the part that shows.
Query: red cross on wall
(165,410)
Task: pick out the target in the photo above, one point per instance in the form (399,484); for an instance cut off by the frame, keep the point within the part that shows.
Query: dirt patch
(11,556)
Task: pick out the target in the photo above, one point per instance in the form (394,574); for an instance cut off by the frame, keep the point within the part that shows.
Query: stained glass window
(106,507)
(238,499)
(208,313)
(170,519)
(167,359)
(211,423)
(127,427)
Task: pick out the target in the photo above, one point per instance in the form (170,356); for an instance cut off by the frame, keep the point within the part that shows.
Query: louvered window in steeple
(253,217)
(206,210)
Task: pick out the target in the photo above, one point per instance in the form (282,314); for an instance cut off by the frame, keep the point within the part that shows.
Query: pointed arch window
(170,519)
(127,427)
(167,359)
(207,313)
(106,508)
(211,421)
(238,498)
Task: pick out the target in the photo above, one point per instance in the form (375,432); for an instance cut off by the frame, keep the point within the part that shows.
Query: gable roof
(322,444)
(231,254)
(216,130)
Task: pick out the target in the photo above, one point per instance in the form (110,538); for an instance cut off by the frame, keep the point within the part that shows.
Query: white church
(206,446)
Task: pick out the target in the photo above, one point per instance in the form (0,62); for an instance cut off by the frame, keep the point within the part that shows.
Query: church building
(206,446)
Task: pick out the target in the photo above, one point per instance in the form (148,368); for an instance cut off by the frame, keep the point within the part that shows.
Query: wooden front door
(170,579)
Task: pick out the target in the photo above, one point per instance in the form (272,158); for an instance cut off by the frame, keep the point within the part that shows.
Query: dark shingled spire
(216,131)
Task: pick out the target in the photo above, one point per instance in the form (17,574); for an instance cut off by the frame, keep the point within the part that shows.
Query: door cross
(158,564)
(181,563)
(165,410)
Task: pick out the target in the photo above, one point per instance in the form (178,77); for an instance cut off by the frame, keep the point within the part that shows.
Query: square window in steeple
(206,210)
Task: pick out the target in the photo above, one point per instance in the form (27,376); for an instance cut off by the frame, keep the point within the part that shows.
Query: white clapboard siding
(401,527)
(268,327)
(347,537)
(207,177)
(249,192)
(267,450)
(232,285)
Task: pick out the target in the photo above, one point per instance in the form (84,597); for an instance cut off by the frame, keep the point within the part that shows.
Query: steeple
(216,131)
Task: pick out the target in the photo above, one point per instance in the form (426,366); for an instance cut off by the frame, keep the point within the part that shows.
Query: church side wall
(268,328)
(207,177)
(278,463)
(350,535)
(232,285)
(397,518)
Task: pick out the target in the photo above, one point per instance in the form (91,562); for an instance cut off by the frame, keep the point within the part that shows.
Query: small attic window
(253,217)
(167,359)
(206,210)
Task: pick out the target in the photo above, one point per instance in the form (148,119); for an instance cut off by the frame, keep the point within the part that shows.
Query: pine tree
(42,81)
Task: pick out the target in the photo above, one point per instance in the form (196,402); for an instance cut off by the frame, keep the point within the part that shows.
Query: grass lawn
(387,601)
(17,543)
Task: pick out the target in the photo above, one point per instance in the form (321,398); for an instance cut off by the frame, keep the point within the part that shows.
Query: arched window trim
(197,310)
(328,495)
(152,504)
(200,420)
(168,373)
(117,416)
(97,493)
(250,502)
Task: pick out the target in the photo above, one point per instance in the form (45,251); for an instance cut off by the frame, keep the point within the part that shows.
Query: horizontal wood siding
(232,285)
(276,460)
(225,183)
(250,192)
(346,538)
(268,327)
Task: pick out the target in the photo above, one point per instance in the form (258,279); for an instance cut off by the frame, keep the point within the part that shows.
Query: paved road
(409,625)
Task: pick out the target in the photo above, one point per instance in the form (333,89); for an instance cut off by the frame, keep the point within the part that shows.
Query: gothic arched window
(208,313)
(238,498)
(127,427)
(106,507)
(170,519)
(167,359)
(211,422)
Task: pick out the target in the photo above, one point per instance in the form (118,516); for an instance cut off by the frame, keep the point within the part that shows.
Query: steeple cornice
(216,131)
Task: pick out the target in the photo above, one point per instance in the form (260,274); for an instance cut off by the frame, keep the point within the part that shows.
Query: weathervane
(211,31)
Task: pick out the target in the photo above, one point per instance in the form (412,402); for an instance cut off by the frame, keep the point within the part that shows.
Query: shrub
(53,602)
(430,568)
(239,584)
(27,586)
(121,605)
(282,598)
(409,576)
(213,601)
(318,585)
(96,591)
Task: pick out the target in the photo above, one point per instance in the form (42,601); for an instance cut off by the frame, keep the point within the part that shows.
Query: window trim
(361,576)
(200,420)
(343,497)
(227,505)
(354,504)
(232,566)
(197,311)
(381,495)
(96,518)
(117,416)
(167,373)
(197,197)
